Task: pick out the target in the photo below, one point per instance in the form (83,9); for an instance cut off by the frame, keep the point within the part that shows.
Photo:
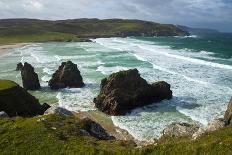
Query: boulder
(3,114)
(19,66)
(58,111)
(228,113)
(16,101)
(180,130)
(123,91)
(215,125)
(67,75)
(96,130)
(29,77)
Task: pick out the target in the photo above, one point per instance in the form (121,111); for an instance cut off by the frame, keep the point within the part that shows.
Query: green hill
(33,30)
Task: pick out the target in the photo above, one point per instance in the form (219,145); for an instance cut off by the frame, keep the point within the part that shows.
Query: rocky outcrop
(228,113)
(96,130)
(67,75)
(216,125)
(58,111)
(16,101)
(126,90)
(3,114)
(19,66)
(180,130)
(29,77)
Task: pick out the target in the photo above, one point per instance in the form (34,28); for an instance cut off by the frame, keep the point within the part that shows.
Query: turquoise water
(199,69)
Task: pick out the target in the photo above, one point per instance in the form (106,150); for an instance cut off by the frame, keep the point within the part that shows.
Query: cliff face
(16,101)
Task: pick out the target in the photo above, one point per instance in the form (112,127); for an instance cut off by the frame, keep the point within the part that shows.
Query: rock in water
(228,113)
(16,101)
(19,66)
(126,90)
(67,75)
(29,77)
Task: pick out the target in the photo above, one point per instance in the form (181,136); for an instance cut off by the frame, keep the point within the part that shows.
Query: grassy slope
(29,30)
(6,84)
(60,135)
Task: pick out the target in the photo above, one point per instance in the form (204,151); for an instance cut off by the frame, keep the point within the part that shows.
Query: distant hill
(33,30)
(198,30)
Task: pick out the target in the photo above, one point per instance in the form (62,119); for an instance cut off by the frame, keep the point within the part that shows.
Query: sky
(216,14)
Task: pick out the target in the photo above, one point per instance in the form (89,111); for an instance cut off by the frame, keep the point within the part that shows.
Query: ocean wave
(109,70)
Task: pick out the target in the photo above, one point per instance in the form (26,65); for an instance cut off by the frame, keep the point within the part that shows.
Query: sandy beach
(4,49)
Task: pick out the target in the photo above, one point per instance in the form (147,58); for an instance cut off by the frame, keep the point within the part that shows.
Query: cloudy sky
(196,13)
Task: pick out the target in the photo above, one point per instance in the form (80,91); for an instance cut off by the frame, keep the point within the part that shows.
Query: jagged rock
(67,75)
(16,101)
(3,114)
(126,90)
(215,125)
(29,77)
(180,130)
(228,113)
(19,66)
(94,129)
(58,111)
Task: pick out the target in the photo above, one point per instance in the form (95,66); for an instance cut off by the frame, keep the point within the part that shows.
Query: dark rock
(16,101)
(3,114)
(228,113)
(94,129)
(180,130)
(126,90)
(67,75)
(19,66)
(58,111)
(29,77)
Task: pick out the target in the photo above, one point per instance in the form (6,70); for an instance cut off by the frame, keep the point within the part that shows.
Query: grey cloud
(200,13)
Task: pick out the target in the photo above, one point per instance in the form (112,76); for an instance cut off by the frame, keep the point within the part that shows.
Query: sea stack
(19,66)
(125,90)
(67,75)
(29,77)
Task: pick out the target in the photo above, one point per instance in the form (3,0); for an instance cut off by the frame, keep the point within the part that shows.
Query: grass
(32,30)
(6,84)
(54,134)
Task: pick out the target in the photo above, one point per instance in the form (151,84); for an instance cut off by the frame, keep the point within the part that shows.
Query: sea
(198,68)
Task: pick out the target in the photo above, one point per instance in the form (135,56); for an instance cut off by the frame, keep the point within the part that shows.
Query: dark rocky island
(29,77)
(126,90)
(16,101)
(67,75)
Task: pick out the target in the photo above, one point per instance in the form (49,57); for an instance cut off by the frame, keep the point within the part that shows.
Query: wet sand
(5,49)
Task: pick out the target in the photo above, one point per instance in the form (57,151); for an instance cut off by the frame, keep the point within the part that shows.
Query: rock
(3,114)
(180,130)
(67,75)
(19,66)
(59,111)
(198,134)
(123,91)
(228,113)
(215,125)
(16,101)
(29,77)
(94,129)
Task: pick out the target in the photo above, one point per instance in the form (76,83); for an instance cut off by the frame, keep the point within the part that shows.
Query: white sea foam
(110,70)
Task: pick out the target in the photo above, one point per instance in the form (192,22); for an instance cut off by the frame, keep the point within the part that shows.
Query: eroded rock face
(215,125)
(96,130)
(19,66)
(58,111)
(180,130)
(29,77)
(16,101)
(67,75)
(228,113)
(123,91)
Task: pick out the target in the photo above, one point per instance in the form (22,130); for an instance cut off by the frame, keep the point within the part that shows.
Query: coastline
(5,49)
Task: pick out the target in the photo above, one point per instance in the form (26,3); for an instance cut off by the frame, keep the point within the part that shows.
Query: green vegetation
(31,30)
(54,134)
(7,84)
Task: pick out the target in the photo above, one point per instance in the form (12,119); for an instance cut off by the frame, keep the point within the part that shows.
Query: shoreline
(5,49)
